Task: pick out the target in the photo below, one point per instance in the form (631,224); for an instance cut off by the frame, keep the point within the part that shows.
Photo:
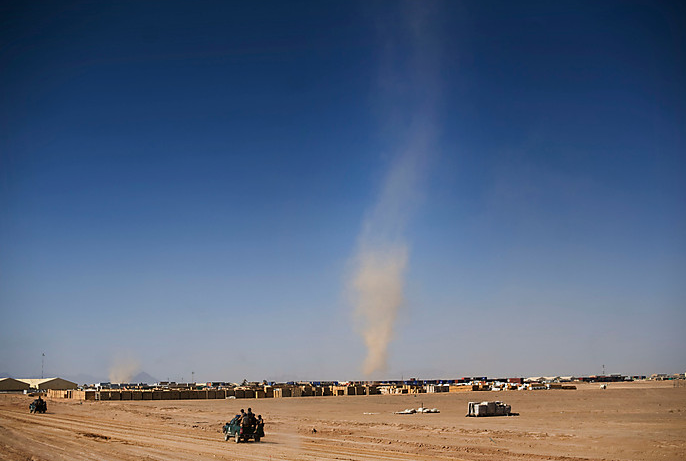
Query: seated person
(260,426)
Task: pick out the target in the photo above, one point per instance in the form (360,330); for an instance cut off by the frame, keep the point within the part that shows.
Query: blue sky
(185,186)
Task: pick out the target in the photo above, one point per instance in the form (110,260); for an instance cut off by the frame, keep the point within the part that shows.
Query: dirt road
(634,421)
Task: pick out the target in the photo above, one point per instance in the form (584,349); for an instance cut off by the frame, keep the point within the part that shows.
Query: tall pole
(42,364)
(193,377)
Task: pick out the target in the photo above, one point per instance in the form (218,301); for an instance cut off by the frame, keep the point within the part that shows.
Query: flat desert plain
(632,421)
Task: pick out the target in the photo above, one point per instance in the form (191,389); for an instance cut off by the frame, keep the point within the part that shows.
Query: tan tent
(50,383)
(9,384)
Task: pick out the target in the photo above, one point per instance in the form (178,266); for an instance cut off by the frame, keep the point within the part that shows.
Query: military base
(168,390)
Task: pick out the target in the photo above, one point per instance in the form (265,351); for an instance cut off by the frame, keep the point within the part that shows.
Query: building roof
(39,383)
(9,380)
(12,384)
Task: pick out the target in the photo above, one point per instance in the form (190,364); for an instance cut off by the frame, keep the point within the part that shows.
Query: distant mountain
(5,375)
(144,377)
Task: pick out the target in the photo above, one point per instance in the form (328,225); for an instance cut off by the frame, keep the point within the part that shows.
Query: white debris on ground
(427,410)
(407,411)
(411,411)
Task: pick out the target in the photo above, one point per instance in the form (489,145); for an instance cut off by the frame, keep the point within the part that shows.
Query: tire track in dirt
(51,433)
(554,427)
(57,432)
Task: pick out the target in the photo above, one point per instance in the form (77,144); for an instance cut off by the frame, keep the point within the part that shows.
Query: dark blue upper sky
(184,171)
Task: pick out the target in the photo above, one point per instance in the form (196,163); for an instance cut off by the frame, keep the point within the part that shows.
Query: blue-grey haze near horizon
(183,187)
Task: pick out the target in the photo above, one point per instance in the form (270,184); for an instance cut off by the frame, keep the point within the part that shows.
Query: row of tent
(13,385)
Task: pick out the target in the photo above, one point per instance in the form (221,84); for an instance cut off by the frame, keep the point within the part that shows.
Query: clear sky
(192,186)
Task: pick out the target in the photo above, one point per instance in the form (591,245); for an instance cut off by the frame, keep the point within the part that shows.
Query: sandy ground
(633,421)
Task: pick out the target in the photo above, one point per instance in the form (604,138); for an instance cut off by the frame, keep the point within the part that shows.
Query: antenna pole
(42,364)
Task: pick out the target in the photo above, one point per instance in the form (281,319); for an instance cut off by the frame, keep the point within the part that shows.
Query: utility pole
(193,377)
(42,365)
(603,369)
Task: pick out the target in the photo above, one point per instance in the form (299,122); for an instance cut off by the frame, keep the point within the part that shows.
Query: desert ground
(627,421)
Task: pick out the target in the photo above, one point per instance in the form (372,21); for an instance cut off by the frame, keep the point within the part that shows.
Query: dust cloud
(381,261)
(123,369)
(379,286)
(410,88)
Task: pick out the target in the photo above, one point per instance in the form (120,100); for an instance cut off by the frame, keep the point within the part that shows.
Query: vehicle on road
(234,430)
(38,406)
